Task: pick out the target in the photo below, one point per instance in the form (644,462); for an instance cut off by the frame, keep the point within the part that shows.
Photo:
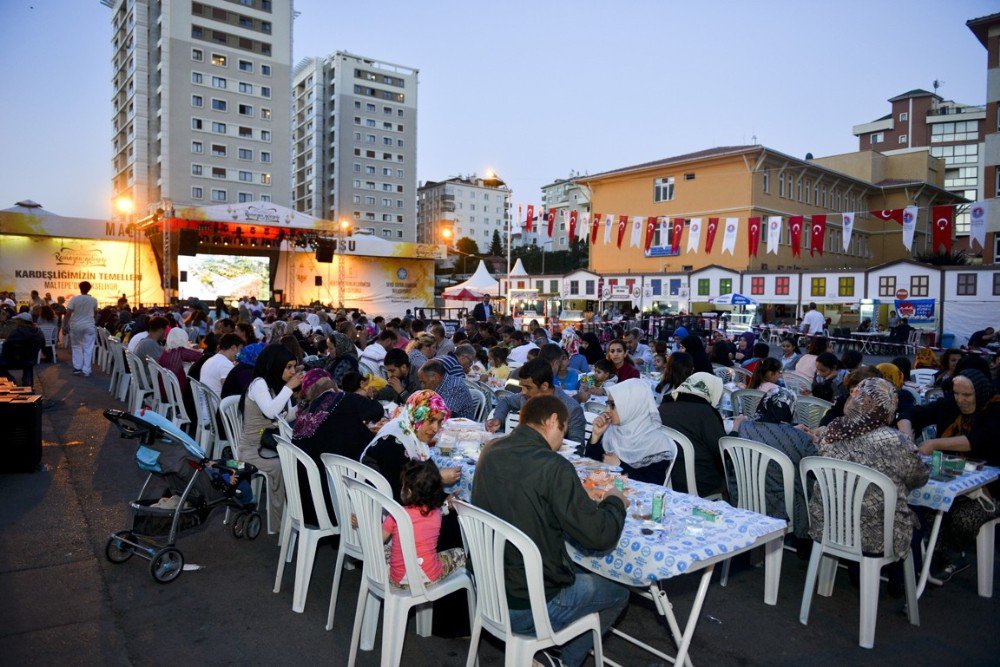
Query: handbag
(268,448)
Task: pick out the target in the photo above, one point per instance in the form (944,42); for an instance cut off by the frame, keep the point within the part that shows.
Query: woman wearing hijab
(973,431)
(179,352)
(278,331)
(690,409)
(571,342)
(629,433)
(344,358)
(693,345)
(772,425)
(680,333)
(720,354)
(239,378)
(905,401)
(331,421)
(744,348)
(590,348)
(864,435)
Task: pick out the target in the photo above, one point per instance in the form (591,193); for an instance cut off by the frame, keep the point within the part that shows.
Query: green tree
(468,254)
(496,245)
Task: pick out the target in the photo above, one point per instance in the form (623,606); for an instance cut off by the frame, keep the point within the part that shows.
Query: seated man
(456,395)
(536,380)
(397,371)
(640,352)
(519,351)
(521,479)
(20,350)
(375,351)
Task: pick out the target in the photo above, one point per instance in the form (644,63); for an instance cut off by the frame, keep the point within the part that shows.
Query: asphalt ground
(61,601)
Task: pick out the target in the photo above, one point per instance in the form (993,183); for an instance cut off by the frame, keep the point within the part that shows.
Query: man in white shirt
(813,322)
(519,354)
(375,351)
(81,325)
(640,352)
(217,367)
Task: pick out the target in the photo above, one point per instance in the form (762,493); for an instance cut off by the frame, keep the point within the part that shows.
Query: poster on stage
(209,276)
(916,311)
(57,266)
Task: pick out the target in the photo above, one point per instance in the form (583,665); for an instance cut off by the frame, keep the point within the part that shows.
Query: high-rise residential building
(201,100)
(469,206)
(919,120)
(354,143)
(562,196)
(987,31)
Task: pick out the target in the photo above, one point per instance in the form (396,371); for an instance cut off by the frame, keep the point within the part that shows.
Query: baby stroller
(182,489)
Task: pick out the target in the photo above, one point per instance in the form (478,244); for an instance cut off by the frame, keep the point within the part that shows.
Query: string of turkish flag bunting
(584,226)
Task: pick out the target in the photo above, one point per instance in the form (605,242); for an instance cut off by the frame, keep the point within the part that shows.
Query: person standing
(81,325)
(483,311)
(813,322)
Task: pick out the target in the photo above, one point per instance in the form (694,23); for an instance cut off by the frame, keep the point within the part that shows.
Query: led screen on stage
(230,276)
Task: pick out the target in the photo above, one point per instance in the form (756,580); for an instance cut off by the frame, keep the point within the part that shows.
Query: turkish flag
(817,235)
(622,224)
(795,232)
(528,220)
(754,236)
(943,220)
(675,237)
(713,225)
(595,224)
(551,219)
(651,225)
(572,226)
(888,214)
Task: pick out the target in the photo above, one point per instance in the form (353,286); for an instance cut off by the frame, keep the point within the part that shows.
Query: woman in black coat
(690,409)
(694,346)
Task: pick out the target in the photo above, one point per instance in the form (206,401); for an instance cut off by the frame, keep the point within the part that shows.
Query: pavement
(63,602)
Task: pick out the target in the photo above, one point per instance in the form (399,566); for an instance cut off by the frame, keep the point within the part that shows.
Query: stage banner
(916,311)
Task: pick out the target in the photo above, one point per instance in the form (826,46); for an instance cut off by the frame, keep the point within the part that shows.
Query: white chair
(482,403)
(797,383)
(985,541)
(741,375)
(912,342)
(842,486)
(118,386)
(294,522)
(232,424)
(595,407)
(368,505)
(172,404)
(161,402)
(750,463)
(687,447)
(513,419)
(486,538)
(724,373)
(140,387)
(745,401)
(337,467)
(367,367)
(51,334)
(206,406)
(917,398)
(923,376)
(810,410)
(101,350)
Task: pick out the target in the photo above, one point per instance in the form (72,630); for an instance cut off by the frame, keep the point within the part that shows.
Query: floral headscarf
(278,329)
(703,385)
(776,407)
(419,407)
(570,341)
(342,345)
(926,358)
(872,405)
(891,373)
(312,377)
(248,355)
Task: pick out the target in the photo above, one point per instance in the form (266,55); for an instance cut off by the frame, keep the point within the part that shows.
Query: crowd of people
(325,372)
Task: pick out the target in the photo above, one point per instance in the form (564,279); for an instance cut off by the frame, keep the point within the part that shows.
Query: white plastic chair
(797,383)
(917,398)
(140,388)
(486,538)
(51,334)
(338,467)
(172,404)
(206,406)
(595,407)
(370,368)
(741,375)
(101,350)
(985,541)
(118,386)
(810,410)
(482,403)
(232,424)
(368,505)
(293,521)
(161,402)
(842,486)
(923,376)
(745,401)
(750,463)
(687,447)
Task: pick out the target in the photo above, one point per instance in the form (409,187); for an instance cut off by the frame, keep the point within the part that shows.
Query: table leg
(683,639)
(925,571)
(772,570)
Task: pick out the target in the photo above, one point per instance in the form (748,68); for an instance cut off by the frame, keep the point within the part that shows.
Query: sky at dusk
(531,89)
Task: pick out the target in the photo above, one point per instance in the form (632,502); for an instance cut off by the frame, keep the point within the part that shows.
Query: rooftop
(980,27)
(677,159)
(916,92)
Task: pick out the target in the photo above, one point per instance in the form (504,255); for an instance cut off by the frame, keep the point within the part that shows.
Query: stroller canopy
(171,430)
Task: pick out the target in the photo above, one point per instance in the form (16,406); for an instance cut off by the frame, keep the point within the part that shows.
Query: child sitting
(499,371)
(422,495)
(604,377)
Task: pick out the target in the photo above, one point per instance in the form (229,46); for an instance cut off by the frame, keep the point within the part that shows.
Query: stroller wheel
(240,525)
(253,524)
(117,551)
(166,565)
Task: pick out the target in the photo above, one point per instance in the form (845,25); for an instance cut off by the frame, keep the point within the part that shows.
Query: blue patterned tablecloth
(463,489)
(940,495)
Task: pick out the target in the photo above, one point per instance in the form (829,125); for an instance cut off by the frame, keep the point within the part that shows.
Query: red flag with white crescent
(551,219)
(754,236)
(651,224)
(817,234)
(713,225)
(943,217)
(595,225)
(895,214)
(795,232)
(622,224)
(675,236)
(572,226)
(528,220)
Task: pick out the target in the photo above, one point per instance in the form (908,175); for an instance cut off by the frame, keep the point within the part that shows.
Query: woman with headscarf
(720,354)
(973,431)
(177,353)
(331,421)
(571,342)
(864,435)
(239,378)
(680,333)
(693,345)
(343,358)
(590,347)
(905,401)
(926,359)
(744,348)
(629,434)
(772,425)
(691,409)
(278,330)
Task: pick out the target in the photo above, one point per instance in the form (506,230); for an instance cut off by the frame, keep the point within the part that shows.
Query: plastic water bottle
(657,511)
(936,459)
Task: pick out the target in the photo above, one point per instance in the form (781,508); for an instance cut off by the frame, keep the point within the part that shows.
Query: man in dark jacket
(483,311)
(521,479)
(20,350)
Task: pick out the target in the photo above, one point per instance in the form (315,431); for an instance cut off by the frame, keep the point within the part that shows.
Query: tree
(942,258)
(496,246)
(468,253)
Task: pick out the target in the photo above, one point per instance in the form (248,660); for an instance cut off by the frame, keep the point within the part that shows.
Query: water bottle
(936,459)
(657,511)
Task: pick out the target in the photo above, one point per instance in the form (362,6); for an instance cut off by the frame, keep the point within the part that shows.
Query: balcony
(958,111)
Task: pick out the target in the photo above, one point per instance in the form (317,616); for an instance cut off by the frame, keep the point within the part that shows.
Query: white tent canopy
(480,281)
(518,270)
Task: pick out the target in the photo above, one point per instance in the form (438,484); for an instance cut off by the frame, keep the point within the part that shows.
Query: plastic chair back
(595,407)
(337,467)
(172,387)
(232,422)
(842,486)
(486,538)
(810,410)
(923,376)
(724,373)
(741,375)
(796,382)
(482,405)
(750,463)
(368,368)
(161,402)
(291,458)
(746,401)
(685,445)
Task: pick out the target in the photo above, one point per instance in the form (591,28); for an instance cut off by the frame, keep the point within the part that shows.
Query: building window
(766,182)
(757,285)
(245,110)
(218,172)
(244,197)
(218,60)
(590,286)
(887,286)
(219,150)
(197,147)
(265,91)
(218,195)
(902,138)
(246,88)
(218,82)
(265,113)
(246,66)
(265,156)
(196,123)
(196,170)
(996,284)
(219,127)
(197,101)
(877,138)
(725,286)
(663,189)
(245,154)
(903,117)
(265,135)
(265,70)
(704,287)
(574,287)
(818,287)
(197,193)
(265,178)
(845,286)
(781,285)
(218,105)
(920,285)
(967,284)
(196,77)
(246,177)
(197,55)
